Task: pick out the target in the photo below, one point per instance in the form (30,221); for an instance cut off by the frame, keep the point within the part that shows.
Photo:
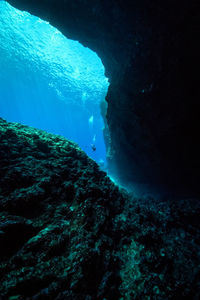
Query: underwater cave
(50,82)
(67,230)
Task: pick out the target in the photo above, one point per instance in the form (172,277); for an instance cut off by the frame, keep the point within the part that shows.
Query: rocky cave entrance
(50,82)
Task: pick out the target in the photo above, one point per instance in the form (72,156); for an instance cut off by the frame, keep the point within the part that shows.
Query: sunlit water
(50,82)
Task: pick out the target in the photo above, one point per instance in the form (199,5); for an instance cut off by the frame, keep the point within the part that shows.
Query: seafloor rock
(67,232)
(150,50)
(57,211)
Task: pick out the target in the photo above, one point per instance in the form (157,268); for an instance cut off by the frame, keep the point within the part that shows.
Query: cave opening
(50,82)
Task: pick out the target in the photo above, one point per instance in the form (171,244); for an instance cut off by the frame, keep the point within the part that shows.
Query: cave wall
(149,49)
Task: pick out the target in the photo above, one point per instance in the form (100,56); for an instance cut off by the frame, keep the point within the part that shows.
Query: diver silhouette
(93,147)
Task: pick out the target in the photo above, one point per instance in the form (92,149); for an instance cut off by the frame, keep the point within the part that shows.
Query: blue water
(50,82)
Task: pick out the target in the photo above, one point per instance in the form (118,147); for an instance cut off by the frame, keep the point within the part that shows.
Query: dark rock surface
(56,222)
(150,51)
(67,232)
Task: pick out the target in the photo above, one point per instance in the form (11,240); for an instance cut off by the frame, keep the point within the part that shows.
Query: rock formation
(150,52)
(67,232)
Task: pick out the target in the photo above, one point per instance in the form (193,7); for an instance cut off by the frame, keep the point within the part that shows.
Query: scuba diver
(93,143)
(93,147)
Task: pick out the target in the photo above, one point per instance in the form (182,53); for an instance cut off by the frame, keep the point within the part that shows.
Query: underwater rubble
(68,232)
